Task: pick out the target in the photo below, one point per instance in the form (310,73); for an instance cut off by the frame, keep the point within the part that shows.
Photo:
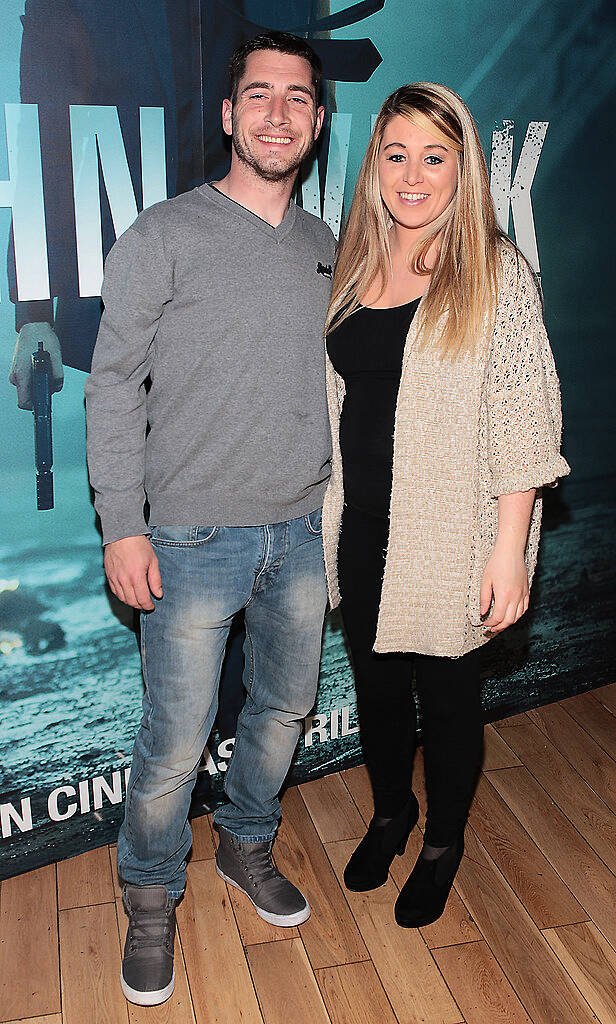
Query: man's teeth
(282,140)
(413,195)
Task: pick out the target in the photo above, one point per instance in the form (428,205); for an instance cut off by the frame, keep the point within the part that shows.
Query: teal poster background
(70,687)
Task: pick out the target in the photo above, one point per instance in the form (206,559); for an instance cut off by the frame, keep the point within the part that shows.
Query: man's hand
(21,368)
(133,572)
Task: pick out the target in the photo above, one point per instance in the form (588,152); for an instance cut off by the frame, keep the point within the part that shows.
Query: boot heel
(423,897)
(370,863)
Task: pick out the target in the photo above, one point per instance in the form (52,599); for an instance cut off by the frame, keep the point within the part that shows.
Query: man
(219,296)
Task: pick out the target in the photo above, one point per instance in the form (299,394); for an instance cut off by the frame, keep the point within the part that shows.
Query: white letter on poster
(84,797)
(52,803)
(9,814)
(225,749)
(113,793)
(95,131)
(23,192)
(208,763)
(153,158)
(347,729)
(316,726)
(516,194)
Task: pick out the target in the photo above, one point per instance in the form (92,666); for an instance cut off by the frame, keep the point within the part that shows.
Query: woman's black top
(366,350)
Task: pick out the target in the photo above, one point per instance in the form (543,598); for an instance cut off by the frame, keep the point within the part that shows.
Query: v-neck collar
(278,233)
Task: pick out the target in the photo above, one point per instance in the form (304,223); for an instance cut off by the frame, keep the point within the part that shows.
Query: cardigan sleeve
(523,392)
(334,496)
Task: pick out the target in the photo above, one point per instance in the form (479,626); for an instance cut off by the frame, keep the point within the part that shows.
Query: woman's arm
(524,429)
(505,575)
(523,393)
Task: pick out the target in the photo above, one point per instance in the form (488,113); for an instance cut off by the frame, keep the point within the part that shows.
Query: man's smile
(275,140)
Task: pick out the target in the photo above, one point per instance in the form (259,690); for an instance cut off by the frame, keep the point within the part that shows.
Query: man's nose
(277,113)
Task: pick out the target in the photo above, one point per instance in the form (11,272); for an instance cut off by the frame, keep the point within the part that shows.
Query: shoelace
(149,928)
(262,866)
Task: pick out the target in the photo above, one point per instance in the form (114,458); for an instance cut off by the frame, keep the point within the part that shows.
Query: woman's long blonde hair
(464,279)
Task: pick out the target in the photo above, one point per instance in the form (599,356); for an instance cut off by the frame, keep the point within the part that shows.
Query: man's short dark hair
(282,42)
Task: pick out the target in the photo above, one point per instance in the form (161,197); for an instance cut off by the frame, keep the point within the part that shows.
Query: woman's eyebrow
(431,145)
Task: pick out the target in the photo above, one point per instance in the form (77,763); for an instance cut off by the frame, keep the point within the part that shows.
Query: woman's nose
(412,172)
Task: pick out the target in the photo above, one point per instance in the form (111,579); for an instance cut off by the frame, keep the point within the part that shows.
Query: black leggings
(448,690)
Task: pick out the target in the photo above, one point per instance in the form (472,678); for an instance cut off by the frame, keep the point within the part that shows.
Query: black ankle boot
(369,865)
(424,895)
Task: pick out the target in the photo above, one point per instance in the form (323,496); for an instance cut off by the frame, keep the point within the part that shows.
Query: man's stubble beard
(262,171)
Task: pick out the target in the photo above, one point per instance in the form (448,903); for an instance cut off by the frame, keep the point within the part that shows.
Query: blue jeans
(276,574)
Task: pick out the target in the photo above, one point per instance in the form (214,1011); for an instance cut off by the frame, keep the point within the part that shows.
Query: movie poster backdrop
(109,108)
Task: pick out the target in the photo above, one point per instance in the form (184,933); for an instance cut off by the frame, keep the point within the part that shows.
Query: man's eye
(257,95)
(299,99)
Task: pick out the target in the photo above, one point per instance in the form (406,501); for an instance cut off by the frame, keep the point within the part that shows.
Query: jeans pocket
(313,522)
(182,536)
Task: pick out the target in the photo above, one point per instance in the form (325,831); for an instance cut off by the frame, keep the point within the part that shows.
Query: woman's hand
(505,575)
(506,578)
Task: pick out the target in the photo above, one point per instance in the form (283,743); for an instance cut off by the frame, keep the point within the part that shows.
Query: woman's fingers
(485,595)
(505,615)
(501,604)
(506,576)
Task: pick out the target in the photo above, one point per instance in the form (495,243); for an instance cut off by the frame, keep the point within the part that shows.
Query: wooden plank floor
(528,935)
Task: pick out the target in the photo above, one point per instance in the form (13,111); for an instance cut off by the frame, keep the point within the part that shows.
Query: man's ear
(227,117)
(319,122)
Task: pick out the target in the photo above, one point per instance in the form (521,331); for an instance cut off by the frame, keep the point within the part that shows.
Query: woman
(435,337)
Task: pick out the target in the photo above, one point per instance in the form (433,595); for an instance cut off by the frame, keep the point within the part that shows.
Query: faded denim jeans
(276,574)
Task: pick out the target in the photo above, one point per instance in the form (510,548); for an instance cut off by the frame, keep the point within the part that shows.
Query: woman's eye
(433,159)
(396,158)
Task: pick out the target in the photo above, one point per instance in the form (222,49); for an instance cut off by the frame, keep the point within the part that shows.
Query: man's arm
(136,286)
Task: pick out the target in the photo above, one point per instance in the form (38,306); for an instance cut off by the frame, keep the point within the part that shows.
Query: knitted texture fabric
(465,433)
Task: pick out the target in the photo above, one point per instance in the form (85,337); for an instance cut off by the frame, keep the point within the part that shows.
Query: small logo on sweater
(325,270)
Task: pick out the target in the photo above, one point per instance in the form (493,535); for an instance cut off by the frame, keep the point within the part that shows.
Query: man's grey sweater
(225,314)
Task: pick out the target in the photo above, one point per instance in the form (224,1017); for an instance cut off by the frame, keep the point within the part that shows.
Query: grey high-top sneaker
(249,867)
(148,977)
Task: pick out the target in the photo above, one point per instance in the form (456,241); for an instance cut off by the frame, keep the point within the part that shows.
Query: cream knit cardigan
(465,432)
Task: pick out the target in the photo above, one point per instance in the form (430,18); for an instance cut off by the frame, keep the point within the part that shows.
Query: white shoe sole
(148,998)
(281,920)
